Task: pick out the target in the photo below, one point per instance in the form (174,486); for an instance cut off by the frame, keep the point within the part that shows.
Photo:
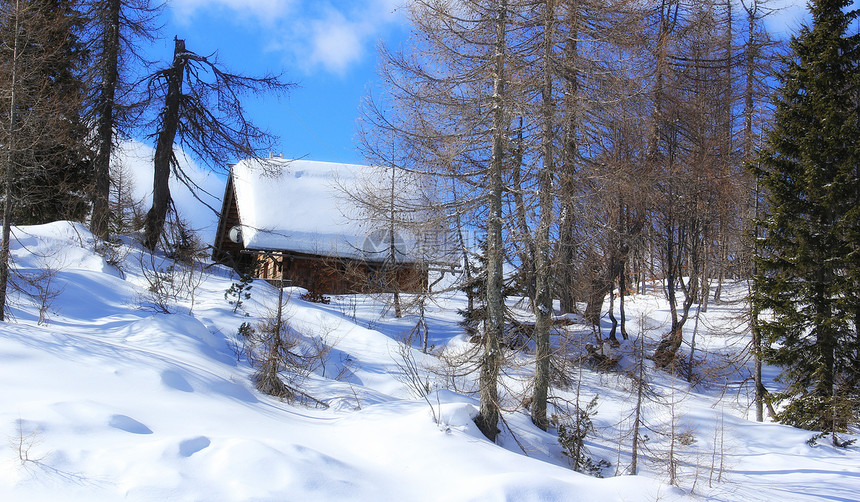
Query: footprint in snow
(191,446)
(175,381)
(128,424)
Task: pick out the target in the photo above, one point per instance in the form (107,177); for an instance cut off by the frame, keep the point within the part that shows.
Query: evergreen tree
(42,162)
(51,183)
(806,285)
(475,288)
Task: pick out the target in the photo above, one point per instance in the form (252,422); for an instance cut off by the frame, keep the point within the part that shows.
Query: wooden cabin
(291,222)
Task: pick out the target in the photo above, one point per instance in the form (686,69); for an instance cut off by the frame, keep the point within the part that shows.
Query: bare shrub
(114,253)
(314,296)
(415,378)
(40,287)
(276,349)
(320,346)
(181,242)
(169,283)
(127,212)
(163,287)
(25,442)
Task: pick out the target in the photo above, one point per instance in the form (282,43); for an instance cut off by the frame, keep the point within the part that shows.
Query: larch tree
(203,112)
(115,30)
(806,286)
(392,202)
(488,415)
(543,301)
(451,94)
(694,160)
(758,59)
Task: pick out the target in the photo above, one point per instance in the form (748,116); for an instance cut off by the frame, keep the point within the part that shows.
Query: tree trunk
(598,289)
(488,416)
(155,218)
(461,241)
(637,413)
(664,355)
(527,249)
(570,152)
(747,153)
(543,268)
(622,284)
(391,274)
(613,339)
(9,173)
(105,122)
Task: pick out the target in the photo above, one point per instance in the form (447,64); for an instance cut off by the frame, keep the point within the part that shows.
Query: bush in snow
(275,349)
(239,292)
(168,283)
(181,242)
(315,297)
(114,253)
(572,432)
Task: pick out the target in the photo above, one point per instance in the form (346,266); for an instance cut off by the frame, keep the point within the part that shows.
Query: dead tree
(203,112)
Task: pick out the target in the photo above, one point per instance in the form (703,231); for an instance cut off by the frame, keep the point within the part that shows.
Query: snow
(303,206)
(106,399)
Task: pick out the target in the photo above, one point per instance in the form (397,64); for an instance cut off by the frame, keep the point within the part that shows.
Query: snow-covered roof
(304,206)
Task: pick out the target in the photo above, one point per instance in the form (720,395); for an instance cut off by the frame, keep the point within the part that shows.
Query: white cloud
(336,43)
(327,35)
(787,16)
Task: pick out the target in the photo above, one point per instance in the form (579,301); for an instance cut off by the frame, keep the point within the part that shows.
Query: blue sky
(327,47)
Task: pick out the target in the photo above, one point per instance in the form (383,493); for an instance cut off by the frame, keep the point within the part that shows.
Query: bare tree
(543,302)
(125,209)
(395,204)
(488,416)
(694,159)
(116,29)
(203,111)
(452,95)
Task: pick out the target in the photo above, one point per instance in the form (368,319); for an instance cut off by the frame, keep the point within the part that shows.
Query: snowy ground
(102,399)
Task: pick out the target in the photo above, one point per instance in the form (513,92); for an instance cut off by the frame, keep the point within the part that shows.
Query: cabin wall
(227,251)
(337,276)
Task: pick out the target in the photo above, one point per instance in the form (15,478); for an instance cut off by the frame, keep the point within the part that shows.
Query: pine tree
(42,163)
(806,284)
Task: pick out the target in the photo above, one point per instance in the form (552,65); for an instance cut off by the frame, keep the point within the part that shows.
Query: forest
(574,148)
(598,146)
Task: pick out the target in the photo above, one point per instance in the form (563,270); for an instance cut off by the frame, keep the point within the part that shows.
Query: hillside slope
(105,398)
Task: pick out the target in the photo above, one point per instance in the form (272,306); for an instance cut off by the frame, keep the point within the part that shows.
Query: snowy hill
(106,397)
